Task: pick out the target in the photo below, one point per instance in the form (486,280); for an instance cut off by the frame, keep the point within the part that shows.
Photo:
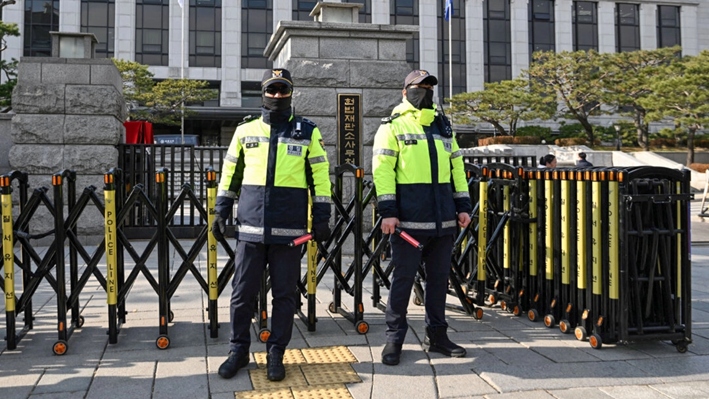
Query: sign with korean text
(349,129)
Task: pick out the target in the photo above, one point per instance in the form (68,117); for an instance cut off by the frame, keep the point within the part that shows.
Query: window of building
(627,27)
(457,33)
(584,18)
(251,94)
(365,13)
(98,17)
(205,33)
(668,26)
(152,30)
(497,40)
(302,9)
(41,17)
(256,29)
(406,12)
(541,26)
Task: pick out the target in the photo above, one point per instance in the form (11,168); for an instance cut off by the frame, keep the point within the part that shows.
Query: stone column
(563,25)
(70,16)
(474,45)
(175,55)
(69,114)
(519,24)
(428,35)
(381,13)
(606,27)
(125,31)
(689,25)
(230,92)
(648,26)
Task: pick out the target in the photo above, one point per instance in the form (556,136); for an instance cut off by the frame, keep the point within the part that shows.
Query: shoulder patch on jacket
(388,119)
(247,119)
(308,121)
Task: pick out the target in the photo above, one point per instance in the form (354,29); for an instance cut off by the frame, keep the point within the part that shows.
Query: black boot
(436,340)
(274,365)
(233,363)
(391,354)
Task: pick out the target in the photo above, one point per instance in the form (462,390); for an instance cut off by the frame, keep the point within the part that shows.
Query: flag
(181,2)
(449,9)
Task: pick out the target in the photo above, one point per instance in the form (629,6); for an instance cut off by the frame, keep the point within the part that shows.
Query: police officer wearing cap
(272,163)
(422,190)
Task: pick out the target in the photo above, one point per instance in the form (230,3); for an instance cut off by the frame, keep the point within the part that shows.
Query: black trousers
(250,261)
(436,255)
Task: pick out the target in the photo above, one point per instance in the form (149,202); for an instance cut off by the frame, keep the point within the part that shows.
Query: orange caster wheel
(263,335)
(580,333)
(533,315)
(163,342)
(478,314)
(362,327)
(595,341)
(549,321)
(565,326)
(60,347)
(516,310)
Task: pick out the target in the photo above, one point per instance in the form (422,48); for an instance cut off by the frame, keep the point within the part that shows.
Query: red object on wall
(139,132)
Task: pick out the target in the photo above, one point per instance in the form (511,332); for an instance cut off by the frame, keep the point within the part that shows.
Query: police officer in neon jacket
(421,189)
(272,163)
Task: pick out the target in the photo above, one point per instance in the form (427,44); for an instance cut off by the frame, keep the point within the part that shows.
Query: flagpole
(450,57)
(182,71)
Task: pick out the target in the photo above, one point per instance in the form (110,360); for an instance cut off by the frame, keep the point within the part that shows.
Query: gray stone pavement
(508,357)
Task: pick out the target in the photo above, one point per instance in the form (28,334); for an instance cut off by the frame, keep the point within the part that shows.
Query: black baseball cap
(276,76)
(419,76)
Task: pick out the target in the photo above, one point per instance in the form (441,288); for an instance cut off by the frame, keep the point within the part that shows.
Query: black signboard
(349,129)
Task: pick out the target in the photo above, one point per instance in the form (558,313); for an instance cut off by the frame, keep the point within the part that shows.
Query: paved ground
(508,357)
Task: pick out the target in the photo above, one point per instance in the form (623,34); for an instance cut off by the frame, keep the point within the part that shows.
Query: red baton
(301,240)
(408,238)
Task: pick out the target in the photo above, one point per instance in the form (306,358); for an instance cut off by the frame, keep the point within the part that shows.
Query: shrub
(535,131)
(510,140)
(570,141)
(701,143)
(699,167)
(571,130)
(663,142)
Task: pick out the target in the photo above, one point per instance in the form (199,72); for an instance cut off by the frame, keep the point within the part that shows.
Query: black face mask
(276,104)
(420,98)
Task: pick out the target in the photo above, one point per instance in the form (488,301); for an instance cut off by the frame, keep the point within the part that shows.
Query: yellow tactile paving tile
(283,393)
(333,373)
(332,354)
(322,392)
(291,356)
(294,378)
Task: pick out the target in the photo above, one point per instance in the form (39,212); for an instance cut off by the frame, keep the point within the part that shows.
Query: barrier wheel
(331,307)
(503,305)
(516,310)
(362,327)
(533,315)
(263,335)
(565,326)
(60,347)
(580,333)
(80,322)
(595,341)
(163,342)
(417,301)
(478,313)
(682,347)
(170,317)
(549,321)
(492,299)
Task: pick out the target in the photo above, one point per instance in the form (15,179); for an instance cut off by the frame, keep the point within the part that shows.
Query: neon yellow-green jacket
(418,172)
(269,168)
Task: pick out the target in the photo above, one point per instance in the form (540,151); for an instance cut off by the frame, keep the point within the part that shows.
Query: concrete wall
(5,141)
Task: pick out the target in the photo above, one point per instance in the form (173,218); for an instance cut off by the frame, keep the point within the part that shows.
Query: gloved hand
(321,232)
(218,227)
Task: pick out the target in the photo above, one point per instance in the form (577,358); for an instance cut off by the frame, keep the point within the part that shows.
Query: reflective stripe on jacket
(418,172)
(268,169)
